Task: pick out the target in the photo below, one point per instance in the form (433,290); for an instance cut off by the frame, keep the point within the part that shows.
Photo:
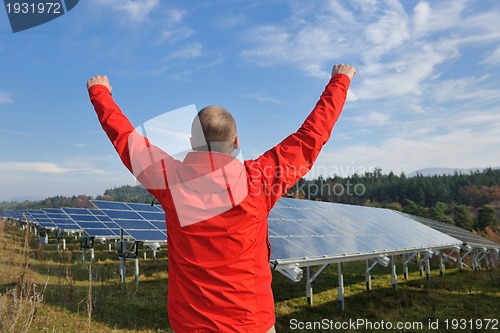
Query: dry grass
(45,290)
(19,301)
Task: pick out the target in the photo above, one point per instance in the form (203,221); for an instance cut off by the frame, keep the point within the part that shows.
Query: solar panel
(465,236)
(42,220)
(302,231)
(142,222)
(94,222)
(61,220)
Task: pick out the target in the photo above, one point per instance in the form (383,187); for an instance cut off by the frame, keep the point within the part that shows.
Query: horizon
(425,172)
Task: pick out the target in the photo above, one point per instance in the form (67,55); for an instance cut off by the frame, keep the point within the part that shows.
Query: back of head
(214,129)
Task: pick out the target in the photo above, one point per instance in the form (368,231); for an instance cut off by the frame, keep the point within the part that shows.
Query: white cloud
(231,21)
(6,98)
(135,10)
(493,58)
(397,52)
(42,168)
(406,154)
(433,17)
(373,118)
(387,33)
(174,29)
(175,34)
(263,97)
(190,51)
(10,132)
(463,89)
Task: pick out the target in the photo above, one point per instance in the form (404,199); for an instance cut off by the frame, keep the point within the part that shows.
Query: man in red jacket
(217,207)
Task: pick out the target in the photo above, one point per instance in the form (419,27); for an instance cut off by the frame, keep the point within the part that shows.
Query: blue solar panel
(148,235)
(110,205)
(300,230)
(142,222)
(465,236)
(42,220)
(144,208)
(123,215)
(61,219)
(156,216)
(94,222)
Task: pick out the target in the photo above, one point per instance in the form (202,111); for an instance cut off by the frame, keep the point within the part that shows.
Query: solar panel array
(142,222)
(465,236)
(94,223)
(302,230)
(62,221)
(299,230)
(41,219)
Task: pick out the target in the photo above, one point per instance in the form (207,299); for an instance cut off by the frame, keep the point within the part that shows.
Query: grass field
(43,290)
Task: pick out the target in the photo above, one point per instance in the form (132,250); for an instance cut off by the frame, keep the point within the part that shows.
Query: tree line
(467,200)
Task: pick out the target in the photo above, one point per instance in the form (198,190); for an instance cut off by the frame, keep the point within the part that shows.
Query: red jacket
(219,275)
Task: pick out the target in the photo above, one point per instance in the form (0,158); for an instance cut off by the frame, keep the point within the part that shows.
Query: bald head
(214,129)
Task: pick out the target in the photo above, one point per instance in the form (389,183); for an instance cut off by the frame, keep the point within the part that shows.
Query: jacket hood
(211,172)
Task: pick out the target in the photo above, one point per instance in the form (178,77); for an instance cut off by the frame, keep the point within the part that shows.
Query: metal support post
(441,264)
(341,289)
(136,271)
(368,278)
(122,270)
(393,274)
(427,269)
(309,290)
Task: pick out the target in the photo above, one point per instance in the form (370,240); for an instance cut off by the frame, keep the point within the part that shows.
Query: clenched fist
(98,79)
(344,69)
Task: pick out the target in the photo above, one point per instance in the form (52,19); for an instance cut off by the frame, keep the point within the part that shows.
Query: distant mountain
(444,171)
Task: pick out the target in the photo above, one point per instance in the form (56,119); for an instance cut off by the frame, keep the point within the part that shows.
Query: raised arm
(144,160)
(282,166)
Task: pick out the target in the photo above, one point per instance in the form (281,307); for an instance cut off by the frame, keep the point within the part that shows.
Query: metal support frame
(468,249)
(441,264)
(382,260)
(394,276)
(43,238)
(87,243)
(449,256)
(60,239)
(425,257)
(341,289)
(291,271)
(406,260)
(128,250)
(155,247)
(309,289)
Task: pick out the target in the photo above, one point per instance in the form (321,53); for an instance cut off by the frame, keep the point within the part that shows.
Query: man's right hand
(98,79)
(344,69)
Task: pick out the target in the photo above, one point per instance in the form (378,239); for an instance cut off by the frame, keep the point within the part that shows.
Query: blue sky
(427,91)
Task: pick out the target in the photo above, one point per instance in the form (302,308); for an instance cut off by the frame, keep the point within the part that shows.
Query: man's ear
(236,142)
(191,140)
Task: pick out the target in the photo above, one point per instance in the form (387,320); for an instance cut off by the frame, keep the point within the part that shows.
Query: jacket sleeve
(282,166)
(145,161)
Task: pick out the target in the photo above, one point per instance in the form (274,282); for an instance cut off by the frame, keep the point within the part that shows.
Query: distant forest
(471,201)
(466,200)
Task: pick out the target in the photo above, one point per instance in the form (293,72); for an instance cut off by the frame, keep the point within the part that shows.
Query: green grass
(62,279)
